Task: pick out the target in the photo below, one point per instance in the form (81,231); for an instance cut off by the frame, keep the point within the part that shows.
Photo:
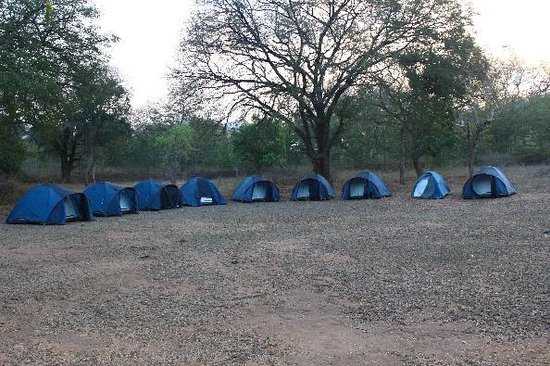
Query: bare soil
(378,282)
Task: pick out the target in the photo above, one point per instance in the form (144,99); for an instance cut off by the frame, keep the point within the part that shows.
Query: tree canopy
(55,79)
(297,60)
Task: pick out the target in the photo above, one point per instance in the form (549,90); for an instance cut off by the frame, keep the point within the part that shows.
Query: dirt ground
(378,282)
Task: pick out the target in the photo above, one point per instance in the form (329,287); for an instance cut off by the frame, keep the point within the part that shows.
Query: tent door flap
(482,185)
(70,210)
(421,187)
(357,189)
(303,191)
(125,205)
(259,192)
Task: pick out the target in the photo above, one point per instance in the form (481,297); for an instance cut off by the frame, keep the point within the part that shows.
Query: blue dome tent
(49,204)
(256,189)
(154,196)
(488,182)
(199,191)
(430,185)
(365,185)
(312,187)
(107,199)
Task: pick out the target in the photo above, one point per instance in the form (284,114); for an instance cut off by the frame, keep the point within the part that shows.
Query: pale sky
(149,33)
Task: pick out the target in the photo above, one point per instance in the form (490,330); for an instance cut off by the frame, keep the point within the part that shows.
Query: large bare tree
(298,60)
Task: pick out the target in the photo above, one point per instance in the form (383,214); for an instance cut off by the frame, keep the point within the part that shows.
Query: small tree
(425,89)
(175,149)
(80,119)
(261,144)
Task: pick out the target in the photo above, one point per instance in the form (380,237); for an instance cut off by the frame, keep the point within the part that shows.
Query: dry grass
(10,191)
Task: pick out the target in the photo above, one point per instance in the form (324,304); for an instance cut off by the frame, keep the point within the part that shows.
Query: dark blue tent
(256,189)
(107,199)
(488,182)
(365,185)
(430,185)
(312,187)
(199,191)
(154,196)
(49,204)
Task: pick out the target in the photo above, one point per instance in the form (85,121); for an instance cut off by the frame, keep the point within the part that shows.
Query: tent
(312,187)
(49,204)
(488,182)
(154,196)
(365,185)
(107,199)
(256,189)
(431,185)
(199,191)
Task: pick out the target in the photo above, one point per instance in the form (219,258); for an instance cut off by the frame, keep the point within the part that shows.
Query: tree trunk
(418,166)
(321,165)
(173,173)
(67,152)
(317,144)
(402,157)
(66,169)
(94,168)
(471,150)
(91,173)
(471,160)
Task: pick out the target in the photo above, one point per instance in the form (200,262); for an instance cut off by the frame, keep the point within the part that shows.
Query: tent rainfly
(199,191)
(431,185)
(363,186)
(256,189)
(154,196)
(49,204)
(107,199)
(488,182)
(312,187)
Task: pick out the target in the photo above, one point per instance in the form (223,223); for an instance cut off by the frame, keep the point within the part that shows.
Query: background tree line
(265,85)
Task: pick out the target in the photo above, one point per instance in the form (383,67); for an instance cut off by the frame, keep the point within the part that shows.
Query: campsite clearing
(394,281)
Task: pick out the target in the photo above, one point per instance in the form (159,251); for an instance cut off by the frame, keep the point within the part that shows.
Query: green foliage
(49,10)
(433,84)
(435,88)
(43,49)
(523,130)
(371,139)
(174,147)
(83,121)
(169,143)
(262,144)
(12,152)
(211,144)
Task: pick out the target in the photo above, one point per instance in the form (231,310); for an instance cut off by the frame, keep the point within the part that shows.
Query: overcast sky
(149,33)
